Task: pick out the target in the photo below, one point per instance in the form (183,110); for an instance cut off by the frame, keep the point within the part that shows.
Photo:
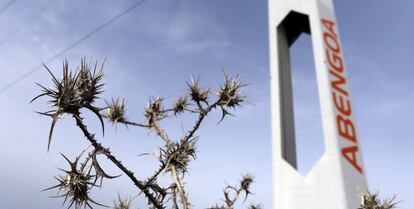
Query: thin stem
(174,196)
(156,174)
(133,124)
(85,162)
(180,188)
(236,196)
(118,163)
(201,116)
(191,110)
(162,133)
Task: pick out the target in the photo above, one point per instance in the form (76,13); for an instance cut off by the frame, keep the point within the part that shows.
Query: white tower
(337,179)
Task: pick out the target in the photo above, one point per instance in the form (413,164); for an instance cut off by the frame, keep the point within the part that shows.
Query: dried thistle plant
(197,93)
(232,193)
(178,155)
(230,91)
(89,82)
(75,185)
(115,111)
(122,203)
(245,184)
(154,111)
(81,88)
(180,105)
(75,90)
(373,201)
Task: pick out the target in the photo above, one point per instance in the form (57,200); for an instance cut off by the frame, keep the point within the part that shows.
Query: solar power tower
(337,179)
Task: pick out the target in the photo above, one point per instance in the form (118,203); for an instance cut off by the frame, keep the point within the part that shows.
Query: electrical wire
(71,46)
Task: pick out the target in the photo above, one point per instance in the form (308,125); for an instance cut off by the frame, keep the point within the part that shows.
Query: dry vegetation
(373,201)
(80,89)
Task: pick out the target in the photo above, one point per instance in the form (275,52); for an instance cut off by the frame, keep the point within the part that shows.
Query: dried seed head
(231,194)
(75,186)
(196,93)
(65,96)
(372,201)
(247,180)
(116,111)
(180,105)
(179,155)
(75,90)
(122,203)
(89,82)
(229,93)
(154,111)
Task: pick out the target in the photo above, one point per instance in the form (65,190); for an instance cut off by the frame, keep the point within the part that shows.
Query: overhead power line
(71,46)
(32,18)
(5,7)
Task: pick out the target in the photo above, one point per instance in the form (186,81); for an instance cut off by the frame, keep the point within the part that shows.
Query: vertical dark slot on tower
(302,135)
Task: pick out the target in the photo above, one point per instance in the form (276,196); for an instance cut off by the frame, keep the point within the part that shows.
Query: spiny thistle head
(89,82)
(122,203)
(245,183)
(115,111)
(154,111)
(75,90)
(196,93)
(179,154)
(64,94)
(229,92)
(180,105)
(372,201)
(75,185)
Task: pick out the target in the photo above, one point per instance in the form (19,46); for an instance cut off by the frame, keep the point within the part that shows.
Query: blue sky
(155,48)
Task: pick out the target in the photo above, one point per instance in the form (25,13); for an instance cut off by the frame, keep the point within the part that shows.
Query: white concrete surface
(337,179)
